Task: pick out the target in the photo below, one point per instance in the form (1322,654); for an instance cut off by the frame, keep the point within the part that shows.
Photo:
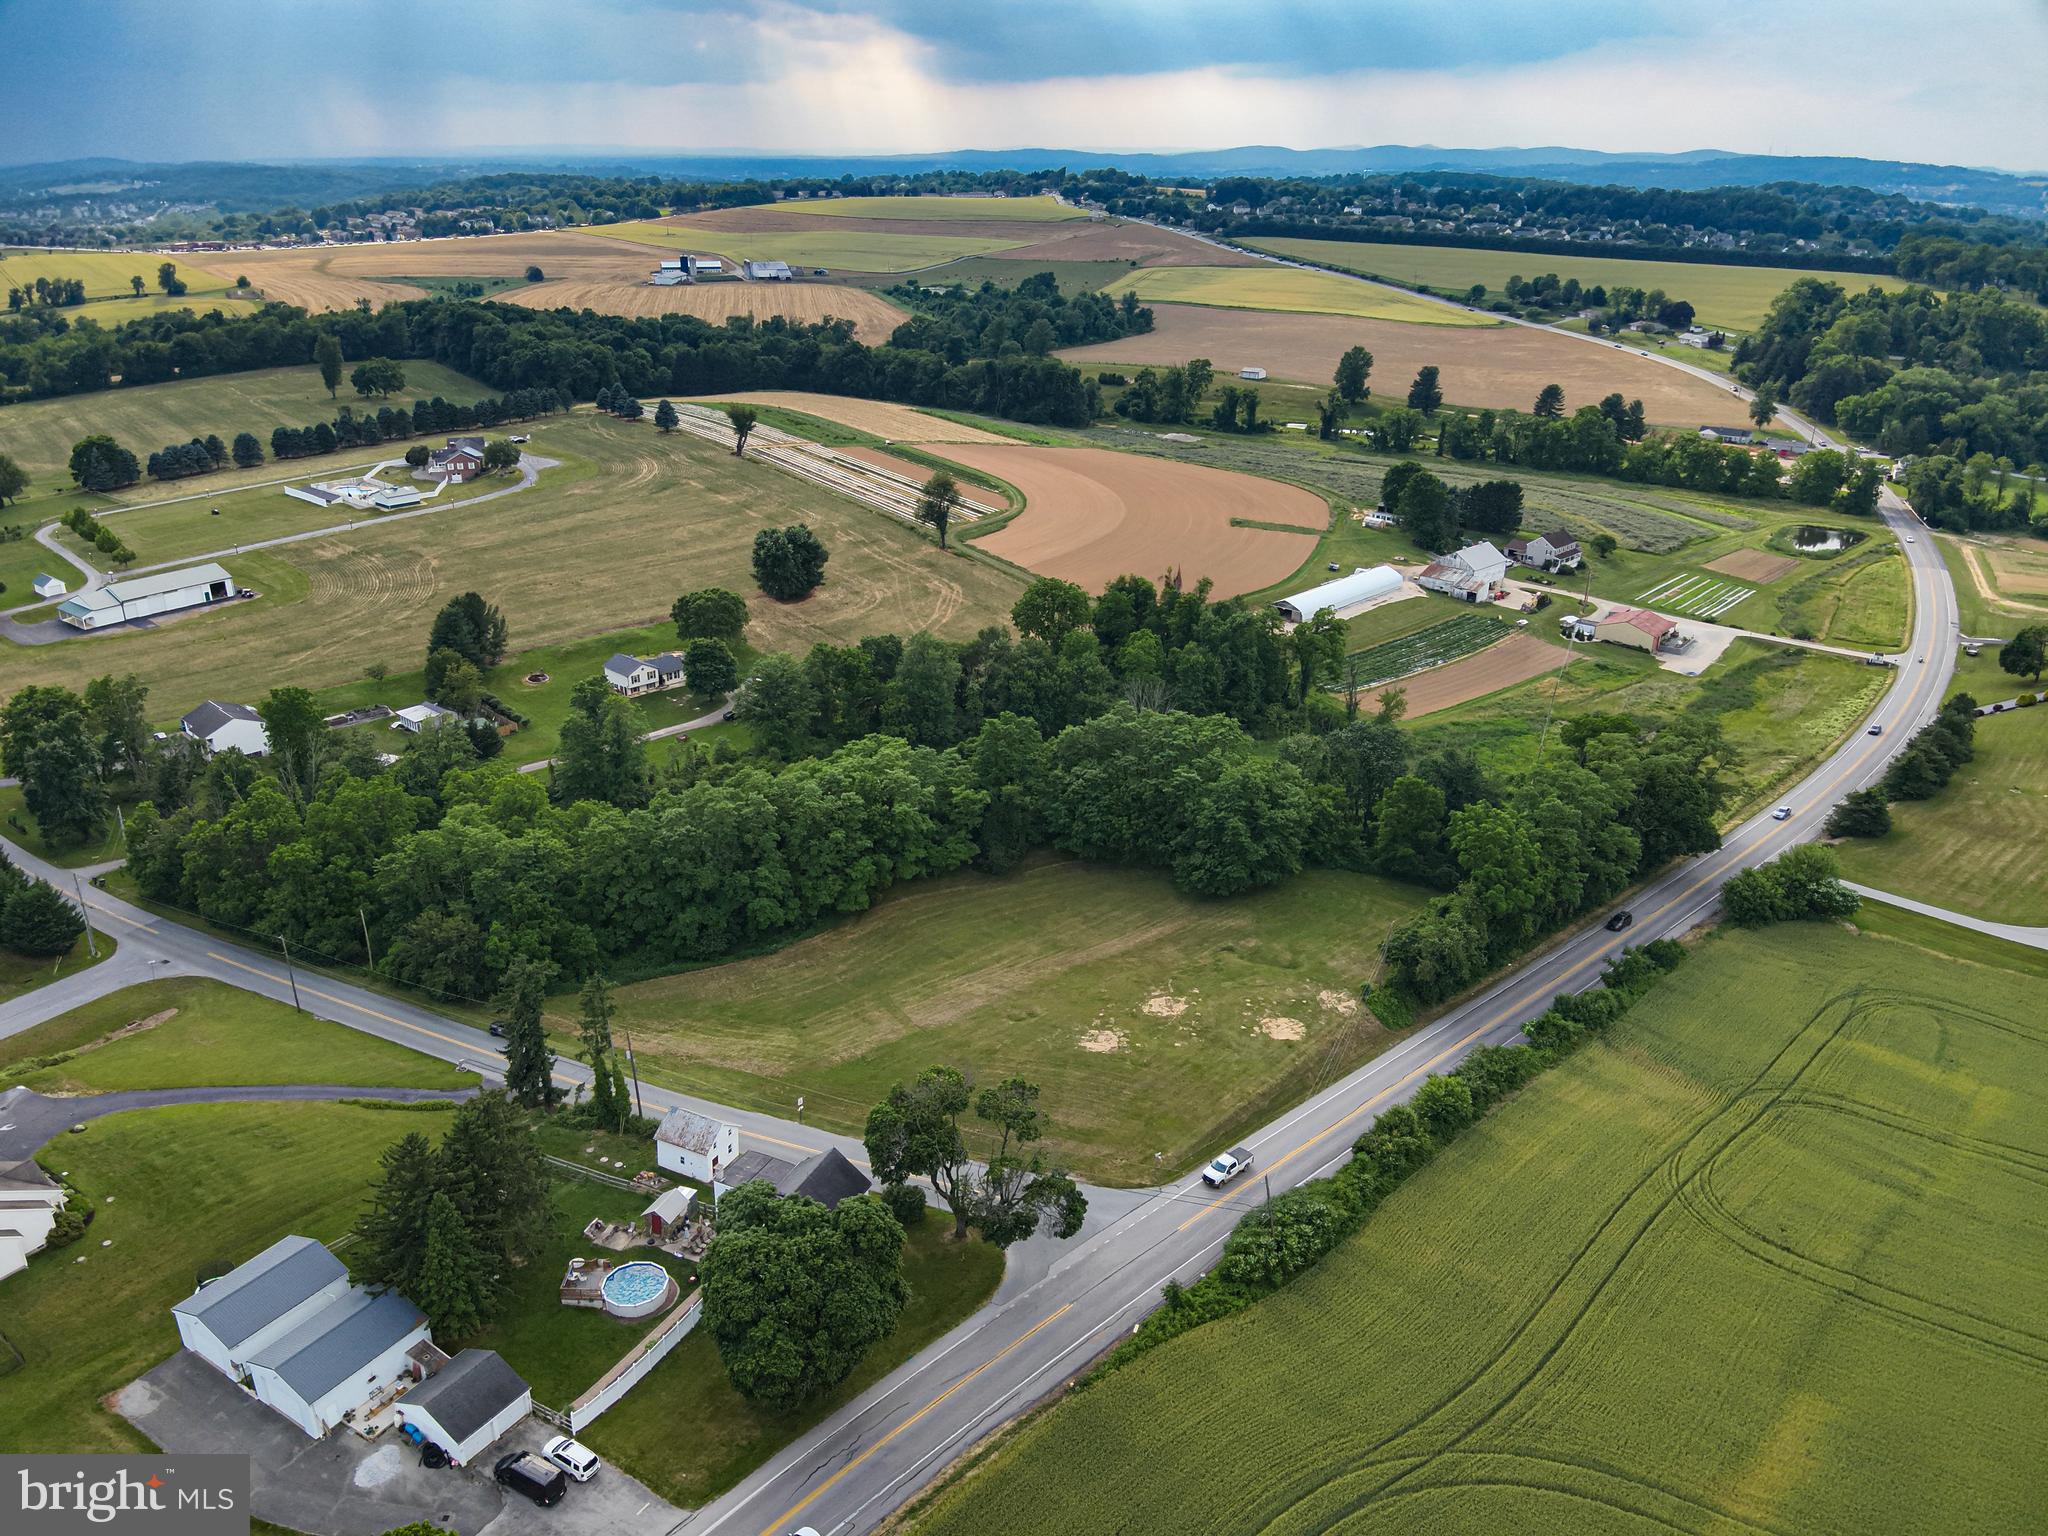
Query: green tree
(781,703)
(490,1165)
(248,452)
(1009,758)
(378,376)
(601,756)
(744,419)
(1426,513)
(1426,394)
(1801,884)
(1604,544)
(458,686)
(795,1294)
(167,279)
(1050,609)
(1318,646)
(1444,1106)
(709,668)
(535,275)
(711,613)
(1549,403)
(1763,405)
(500,455)
(2026,653)
(135,283)
(1353,369)
(937,503)
(1862,813)
(393,1230)
(117,723)
(98,463)
(789,562)
(529,1063)
(665,418)
(1329,416)
(295,727)
(327,357)
(608,1105)
(1410,825)
(13,480)
(60,780)
(39,921)
(453,1286)
(472,628)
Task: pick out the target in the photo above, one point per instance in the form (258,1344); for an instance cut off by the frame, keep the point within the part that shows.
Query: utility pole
(290,974)
(633,1067)
(85,912)
(365,916)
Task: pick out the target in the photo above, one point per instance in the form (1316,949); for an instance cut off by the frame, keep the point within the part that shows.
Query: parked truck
(1227,1167)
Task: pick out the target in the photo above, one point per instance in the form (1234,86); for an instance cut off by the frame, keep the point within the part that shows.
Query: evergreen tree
(394,1229)
(327,355)
(665,418)
(40,921)
(453,1286)
(529,1063)
(606,1107)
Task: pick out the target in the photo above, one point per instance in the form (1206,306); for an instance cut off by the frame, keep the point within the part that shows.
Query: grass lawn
(856,249)
(1286,288)
(1726,297)
(39,433)
(1158,1025)
(601,545)
(184,1032)
(1765,1258)
(1983,606)
(687,1435)
(19,974)
(193,1188)
(1980,846)
(23,829)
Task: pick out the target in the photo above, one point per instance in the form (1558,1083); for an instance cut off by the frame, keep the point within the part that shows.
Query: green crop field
(1035,210)
(1430,647)
(1008,272)
(1766,1258)
(38,434)
(188,1032)
(1159,1025)
(107,274)
(859,250)
(1978,846)
(602,544)
(1727,297)
(1286,288)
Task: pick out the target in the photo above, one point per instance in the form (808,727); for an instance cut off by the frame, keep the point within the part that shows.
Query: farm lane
(2017,933)
(662,733)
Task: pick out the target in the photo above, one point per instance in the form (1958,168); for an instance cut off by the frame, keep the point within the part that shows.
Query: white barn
(217,727)
(143,597)
(47,585)
(695,1146)
(466,1405)
(258,1302)
(348,1352)
(1342,593)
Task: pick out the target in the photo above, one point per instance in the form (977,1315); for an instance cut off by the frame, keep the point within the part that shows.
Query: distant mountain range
(251,186)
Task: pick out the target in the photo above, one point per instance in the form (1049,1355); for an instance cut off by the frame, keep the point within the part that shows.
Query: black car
(498,1028)
(1619,921)
(541,1481)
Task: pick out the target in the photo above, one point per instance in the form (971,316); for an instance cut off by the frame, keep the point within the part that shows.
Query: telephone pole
(85,912)
(290,975)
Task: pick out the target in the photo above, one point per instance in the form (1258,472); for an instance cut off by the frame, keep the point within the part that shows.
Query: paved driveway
(345,1485)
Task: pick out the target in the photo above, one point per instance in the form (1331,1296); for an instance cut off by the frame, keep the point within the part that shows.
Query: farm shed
(258,1302)
(769,271)
(142,597)
(50,586)
(669,1210)
(417,717)
(29,1202)
(694,1145)
(1638,628)
(348,1352)
(1342,593)
(217,727)
(466,1405)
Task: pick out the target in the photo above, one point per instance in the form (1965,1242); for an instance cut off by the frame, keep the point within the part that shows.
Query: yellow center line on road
(342,1002)
(119,918)
(776,1527)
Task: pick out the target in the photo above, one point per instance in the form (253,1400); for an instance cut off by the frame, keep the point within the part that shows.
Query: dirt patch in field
(1755,565)
(977,498)
(893,423)
(2021,573)
(874,318)
(1481,366)
(1974,559)
(1102,1042)
(1338,1002)
(1282,1029)
(1091,515)
(1164,1005)
(1514,660)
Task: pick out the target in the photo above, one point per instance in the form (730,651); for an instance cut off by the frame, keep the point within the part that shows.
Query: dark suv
(1619,921)
(524,1472)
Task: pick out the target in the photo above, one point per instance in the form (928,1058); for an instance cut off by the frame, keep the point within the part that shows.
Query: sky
(1950,83)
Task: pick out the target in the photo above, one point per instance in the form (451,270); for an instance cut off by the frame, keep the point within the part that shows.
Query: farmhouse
(630,675)
(29,1202)
(1640,629)
(217,727)
(1553,551)
(353,1350)
(826,1177)
(1472,574)
(144,597)
(50,586)
(695,1146)
(1343,595)
(461,460)
(769,271)
(466,1405)
(258,1302)
(1739,437)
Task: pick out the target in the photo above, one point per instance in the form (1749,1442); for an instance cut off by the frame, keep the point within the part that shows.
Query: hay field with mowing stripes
(874,318)
(1764,1259)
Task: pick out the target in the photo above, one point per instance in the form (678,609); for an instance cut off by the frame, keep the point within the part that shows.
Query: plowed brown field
(1514,660)
(1091,515)
(1491,366)
(874,318)
(1755,565)
(897,423)
(334,277)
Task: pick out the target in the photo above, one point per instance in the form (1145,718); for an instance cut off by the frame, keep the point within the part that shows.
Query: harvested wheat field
(1496,366)
(1757,565)
(2020,571)
(1091,515)
(1142,243)
(895,423)
(977,499)
(874,319)
(1514,660)
(334,277)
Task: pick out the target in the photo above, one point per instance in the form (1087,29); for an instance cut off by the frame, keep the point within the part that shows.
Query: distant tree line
(1031,319)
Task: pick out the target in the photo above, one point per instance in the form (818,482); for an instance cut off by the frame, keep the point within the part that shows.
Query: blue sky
(1883,78)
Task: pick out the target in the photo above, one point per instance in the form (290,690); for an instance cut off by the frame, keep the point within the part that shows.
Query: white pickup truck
(1227,1167)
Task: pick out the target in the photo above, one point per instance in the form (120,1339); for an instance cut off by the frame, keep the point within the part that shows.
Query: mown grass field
(602,544)
(1725,297)
(21,974)
(1045,210)
(1980,846)
(858,249)
(39,434)
(188,1032)
(1157,1024)
(1990,601)
(1766,1258)
(1286,288)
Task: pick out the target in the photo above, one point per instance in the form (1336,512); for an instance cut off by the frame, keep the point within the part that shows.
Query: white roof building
(142,597)
(1472,573)
(1341,593)
(29,1202)
(417,717)
(50,586)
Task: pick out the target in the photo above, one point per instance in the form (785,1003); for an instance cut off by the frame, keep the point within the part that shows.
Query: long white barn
(143,597)
(1341,593)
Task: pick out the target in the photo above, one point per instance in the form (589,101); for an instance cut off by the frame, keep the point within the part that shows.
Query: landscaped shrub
(906,1203)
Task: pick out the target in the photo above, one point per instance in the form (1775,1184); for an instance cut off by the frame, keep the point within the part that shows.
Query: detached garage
(466,1405)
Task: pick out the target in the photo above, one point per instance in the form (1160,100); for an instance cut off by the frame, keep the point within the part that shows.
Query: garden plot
(1704,597)
(1426,648)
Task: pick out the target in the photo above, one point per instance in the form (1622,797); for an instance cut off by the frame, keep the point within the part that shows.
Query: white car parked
(573,1457)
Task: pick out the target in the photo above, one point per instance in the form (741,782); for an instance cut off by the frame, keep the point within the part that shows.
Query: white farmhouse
(258,1302)
(695,1146)
(632,675)
(217,727)
(29,1202)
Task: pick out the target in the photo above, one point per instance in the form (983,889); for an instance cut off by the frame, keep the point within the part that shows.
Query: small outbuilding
(467,1405)
(50,586)
(1639,629)
(669,1211)
(695,1146)
(417,717)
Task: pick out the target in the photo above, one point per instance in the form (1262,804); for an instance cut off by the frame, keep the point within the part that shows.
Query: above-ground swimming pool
(637,1289)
